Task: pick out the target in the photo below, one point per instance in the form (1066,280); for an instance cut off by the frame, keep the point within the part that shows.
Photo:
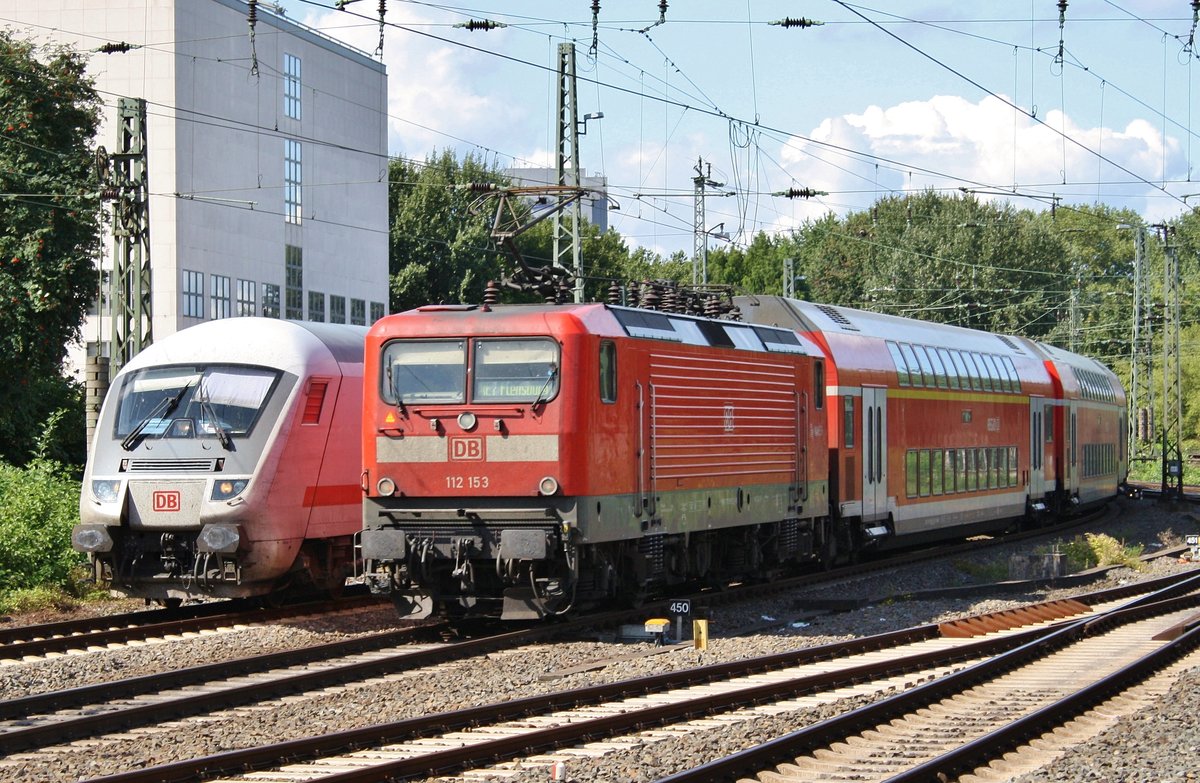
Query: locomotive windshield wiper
(164,408)
(539,399)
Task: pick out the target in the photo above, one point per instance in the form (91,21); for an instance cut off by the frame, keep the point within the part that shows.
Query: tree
(49,114)
(440,249)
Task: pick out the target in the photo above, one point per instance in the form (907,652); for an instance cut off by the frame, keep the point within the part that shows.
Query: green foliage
(441,250)
(49,112)
(1100,549)
(39,504)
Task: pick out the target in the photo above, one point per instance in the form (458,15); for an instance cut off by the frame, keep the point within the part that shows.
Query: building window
(270,300)
(247,298)
(358,312)
(293,178)
(193,294)
(219,303)
(294,280)
(291,85)
(376,311)
(337,309)
(316,306)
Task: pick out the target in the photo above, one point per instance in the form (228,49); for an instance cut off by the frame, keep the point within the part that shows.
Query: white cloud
(438,93)
(949,142)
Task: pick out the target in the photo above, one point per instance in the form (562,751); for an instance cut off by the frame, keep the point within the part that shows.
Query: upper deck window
(193,401)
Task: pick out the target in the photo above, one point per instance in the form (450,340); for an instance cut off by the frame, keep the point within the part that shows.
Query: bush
(1099,549)
(39,504)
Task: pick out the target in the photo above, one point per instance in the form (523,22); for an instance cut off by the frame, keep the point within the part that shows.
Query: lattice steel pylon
(566,238)
(1172,379)
(131,301)
(1141,361)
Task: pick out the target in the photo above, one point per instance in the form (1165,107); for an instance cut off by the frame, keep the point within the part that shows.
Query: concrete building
(266,157)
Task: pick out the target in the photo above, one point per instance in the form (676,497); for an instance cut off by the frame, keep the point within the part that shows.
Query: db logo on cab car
(166,500)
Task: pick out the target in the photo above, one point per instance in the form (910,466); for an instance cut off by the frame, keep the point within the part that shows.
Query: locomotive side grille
(720,417)
(172,466)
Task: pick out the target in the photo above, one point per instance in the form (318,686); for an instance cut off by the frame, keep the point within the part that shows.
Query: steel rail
(37,640)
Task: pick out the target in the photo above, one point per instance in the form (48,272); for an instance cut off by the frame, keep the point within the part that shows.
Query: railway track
(27,642)
(524,730)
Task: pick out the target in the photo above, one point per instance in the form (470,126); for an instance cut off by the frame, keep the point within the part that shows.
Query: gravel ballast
(1155,745)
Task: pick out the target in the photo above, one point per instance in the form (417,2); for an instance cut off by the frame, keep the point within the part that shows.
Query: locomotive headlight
(386,487)
(223,539)
(548,485)
(91,538)
(106,490)
(467,421)
(224,489)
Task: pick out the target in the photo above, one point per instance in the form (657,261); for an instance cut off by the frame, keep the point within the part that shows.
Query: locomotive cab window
(425,371)
(522,370)
(608,371)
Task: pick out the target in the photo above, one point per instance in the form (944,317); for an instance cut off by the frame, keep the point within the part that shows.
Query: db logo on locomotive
(469,449)
(166,500)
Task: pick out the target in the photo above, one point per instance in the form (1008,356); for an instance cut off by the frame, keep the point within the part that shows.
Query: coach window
(910,473)
(1012,466)
(938,475)
(848,422)
(910,361)
(965,370)
(989,365)
(898,360)
(1012,374)
(951,472)
(608,371)
(948,363)
(969,482)
(926,365)
(985,380)
(938,368)
(923,472)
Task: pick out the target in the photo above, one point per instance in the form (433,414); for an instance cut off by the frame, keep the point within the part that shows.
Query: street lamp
(717,231)
(596,115)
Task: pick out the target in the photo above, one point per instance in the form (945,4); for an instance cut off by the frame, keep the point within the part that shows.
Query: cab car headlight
(224,489)
(106,490)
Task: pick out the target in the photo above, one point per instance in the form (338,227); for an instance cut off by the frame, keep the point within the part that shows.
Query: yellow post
(700,634)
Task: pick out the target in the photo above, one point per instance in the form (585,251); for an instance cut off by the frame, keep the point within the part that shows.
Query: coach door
(1040,417)
(874,439)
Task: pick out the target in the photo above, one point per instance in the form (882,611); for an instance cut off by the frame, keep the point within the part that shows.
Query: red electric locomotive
(519,460)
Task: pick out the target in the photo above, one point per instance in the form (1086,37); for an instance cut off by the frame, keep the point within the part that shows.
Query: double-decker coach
(937,430)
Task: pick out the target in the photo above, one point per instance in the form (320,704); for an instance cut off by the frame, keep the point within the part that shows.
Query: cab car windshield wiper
(164,408)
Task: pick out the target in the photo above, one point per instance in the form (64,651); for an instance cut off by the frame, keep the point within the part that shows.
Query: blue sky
(878,100)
